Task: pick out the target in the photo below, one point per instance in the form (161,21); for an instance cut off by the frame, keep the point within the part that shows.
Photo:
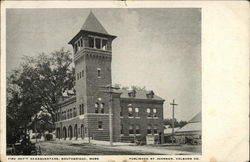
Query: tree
(176,123)
(40,82)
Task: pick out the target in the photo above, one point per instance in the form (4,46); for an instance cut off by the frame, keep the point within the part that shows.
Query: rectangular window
(82,108)
(74,112)
(82,73)
(78,45)
(130,112)
(155,129)
(137,129)
(98,72)
(104,44)
(91,42)
(149,129)
(100,125)
(122,129)
(131,130)
(81,44)
(121,113)
(75,47)
(98,43)
(77,76)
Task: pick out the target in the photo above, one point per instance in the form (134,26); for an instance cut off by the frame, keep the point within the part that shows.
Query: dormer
(132,93)
(150,94)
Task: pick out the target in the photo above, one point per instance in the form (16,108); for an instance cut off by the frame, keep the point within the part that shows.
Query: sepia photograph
(103,81)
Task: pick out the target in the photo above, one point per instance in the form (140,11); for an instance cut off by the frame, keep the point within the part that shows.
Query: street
(64,148)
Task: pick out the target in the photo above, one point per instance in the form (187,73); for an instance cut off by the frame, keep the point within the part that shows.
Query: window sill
(130,117)
(121,116)
(100,129)
(138,117)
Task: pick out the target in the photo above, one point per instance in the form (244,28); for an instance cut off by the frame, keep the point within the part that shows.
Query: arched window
(154,112)
(96,107)
(130,112)
(137,112)
(102,107)
(71,113)
(148,112)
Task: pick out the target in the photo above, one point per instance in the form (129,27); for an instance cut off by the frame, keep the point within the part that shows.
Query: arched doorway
(82,131)
(75,132)
(70,132)
(64,132)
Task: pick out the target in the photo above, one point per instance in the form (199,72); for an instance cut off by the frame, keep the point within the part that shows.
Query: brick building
(135,114)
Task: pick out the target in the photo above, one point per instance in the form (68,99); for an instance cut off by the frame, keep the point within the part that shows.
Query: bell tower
(92,47)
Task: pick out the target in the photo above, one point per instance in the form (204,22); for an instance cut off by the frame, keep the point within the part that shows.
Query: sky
(157,48)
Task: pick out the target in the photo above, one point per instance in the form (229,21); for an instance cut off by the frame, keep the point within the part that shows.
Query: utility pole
(110,91)
(173,104)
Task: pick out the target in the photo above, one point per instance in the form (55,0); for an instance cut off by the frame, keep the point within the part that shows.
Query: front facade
(89,112)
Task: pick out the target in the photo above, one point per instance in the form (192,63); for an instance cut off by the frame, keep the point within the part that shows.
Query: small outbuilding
(191,132)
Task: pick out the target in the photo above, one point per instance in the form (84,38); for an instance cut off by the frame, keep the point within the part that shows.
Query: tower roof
(92,24)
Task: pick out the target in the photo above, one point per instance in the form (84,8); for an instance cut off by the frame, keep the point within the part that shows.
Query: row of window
(78,45)
(135,129)
(98,43)
(99,107)
(81,109)
(66,114)
(94,42)
(150,113)
(80,74)
(69,113)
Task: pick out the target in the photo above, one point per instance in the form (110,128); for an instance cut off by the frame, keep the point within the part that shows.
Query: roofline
(90,32)
(145,100)
(67,101)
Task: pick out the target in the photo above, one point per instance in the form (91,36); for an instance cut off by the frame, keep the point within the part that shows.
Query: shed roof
(190,127)
(196,118)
